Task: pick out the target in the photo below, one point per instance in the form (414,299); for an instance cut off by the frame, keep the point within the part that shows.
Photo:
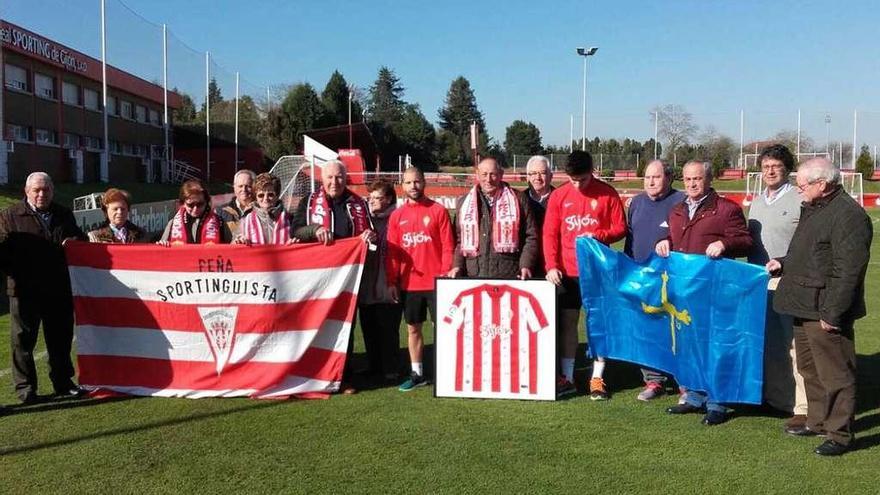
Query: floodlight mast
(585,52)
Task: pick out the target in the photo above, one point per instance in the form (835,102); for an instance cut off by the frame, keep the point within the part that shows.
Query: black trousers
(380,324)
(827,361)
(56,314)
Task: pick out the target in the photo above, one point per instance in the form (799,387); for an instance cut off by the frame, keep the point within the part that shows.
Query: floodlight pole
(236,121)
(855,133)
(105,153)
(166,164)
(798,150)
(656,125)
(570,132)
(208,117)
(742,138)
(585,52)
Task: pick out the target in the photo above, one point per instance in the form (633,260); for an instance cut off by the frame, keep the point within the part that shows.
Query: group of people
(811,236)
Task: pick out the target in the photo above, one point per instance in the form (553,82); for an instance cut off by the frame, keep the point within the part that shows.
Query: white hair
(819,168)
(249,173)
(707,167)
(338,163)
(536,159)
(35,176)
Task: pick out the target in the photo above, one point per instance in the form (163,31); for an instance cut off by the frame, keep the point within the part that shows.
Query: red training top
(571,213)
(420,245)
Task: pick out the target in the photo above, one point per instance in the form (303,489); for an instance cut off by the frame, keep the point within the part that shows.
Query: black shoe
(803,431)
(4,410)
(72,393)
(713,418)
(30,399)
(831,448)
(683,409)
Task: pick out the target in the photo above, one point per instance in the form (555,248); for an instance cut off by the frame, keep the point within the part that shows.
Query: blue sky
(714,58)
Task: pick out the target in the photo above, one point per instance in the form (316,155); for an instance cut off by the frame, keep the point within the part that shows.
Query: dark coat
(489,264)
(133,234)
(823,274)
(33,257)
(716,219)
(231,215)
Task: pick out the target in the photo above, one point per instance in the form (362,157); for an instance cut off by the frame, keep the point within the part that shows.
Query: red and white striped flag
(214,321)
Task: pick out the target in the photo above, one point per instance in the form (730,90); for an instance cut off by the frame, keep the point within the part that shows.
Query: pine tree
(865,164)
(457,115)
(334,98)
(385,105)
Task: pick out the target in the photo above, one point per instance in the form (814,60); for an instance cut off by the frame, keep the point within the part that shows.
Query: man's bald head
(333,178)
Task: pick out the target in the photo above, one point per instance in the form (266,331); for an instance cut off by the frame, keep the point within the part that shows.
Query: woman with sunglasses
(195,222)
(267,222)
(116,204)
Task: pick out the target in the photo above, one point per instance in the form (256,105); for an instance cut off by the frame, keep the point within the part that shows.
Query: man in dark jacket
(823,288)
(31,234)
(495,229)
(704,223)
(539,176)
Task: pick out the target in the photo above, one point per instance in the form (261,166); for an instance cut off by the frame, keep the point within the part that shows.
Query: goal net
(851,182)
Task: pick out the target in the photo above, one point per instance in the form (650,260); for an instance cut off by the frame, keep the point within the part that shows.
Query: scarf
(252,229)
(210,228)
(504,208)
(320,211)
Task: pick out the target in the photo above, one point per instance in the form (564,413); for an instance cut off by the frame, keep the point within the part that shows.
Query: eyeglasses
(536,174)
(775,166)
(194,204)
(801,188)
(266,195)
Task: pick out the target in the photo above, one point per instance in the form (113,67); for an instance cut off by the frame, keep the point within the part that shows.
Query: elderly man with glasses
(823,288)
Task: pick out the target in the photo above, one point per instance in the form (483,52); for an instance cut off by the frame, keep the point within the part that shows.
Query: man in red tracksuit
(585,206)
(420,244)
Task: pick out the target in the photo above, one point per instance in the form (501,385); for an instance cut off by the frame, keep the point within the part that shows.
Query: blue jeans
(700,399)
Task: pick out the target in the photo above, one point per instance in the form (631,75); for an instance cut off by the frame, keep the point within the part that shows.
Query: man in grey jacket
(773,218)
(823,288)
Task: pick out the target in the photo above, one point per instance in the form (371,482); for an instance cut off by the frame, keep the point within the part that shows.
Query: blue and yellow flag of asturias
(700,320)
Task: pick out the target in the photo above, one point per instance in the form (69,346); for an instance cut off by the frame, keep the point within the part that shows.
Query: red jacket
(571,213)
(716,219)
(420,245)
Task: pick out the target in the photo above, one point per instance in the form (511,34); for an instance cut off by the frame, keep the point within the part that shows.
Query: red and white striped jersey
(496,339)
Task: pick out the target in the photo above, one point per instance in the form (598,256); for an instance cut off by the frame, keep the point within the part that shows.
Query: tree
(789,138)
(456,116)
(385,104)
(416,136)
(865,164)
(214,98)
(301,110)
(717,149)
(522,138)
(186,113)
(335,100)
(676,126)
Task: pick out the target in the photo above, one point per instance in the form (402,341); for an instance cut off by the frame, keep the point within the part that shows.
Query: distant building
(52,114)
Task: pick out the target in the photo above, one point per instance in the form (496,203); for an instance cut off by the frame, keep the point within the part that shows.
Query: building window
(140,114)
(111,106)
(127,149)
(18,133)
(93,143)
(71,141)
(114,147)
(154,118)
(125,109)
(46,136)
(70,93)
(45,86)
(90,99)
(16,78)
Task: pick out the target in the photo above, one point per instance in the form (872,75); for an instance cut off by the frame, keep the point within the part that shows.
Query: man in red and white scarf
(495,228)
(334,212)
